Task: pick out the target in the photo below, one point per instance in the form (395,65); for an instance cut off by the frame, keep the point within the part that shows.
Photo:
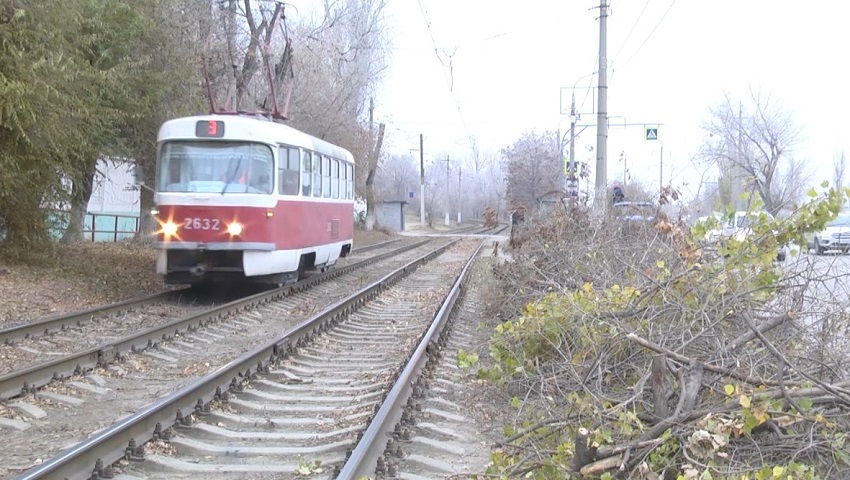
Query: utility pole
(602,116)
(447,189)
(661,171)
(459,192)
(421,180)
(737,174)
(573,166)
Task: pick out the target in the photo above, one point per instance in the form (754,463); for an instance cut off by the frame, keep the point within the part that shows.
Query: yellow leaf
(729,389)
(745,401)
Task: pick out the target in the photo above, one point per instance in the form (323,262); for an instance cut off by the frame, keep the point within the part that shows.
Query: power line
(590,83)
(449,80)
(650,33)
(620,50)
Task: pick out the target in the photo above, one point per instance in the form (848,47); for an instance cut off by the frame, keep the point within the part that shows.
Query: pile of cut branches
(636,354)
(491,217)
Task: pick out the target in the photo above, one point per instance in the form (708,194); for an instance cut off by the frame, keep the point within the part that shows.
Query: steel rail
(463,229)
(60,322)
(126,438)
(364,457)
(374,246)
(24,381)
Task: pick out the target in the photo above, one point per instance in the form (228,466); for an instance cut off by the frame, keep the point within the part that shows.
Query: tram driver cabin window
(290,167)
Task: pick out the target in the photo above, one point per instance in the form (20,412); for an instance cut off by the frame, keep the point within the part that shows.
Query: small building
(390,215)
(550,199)
(114,207)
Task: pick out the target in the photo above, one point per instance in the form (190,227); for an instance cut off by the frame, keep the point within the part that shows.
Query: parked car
(644,212)
(635,218)
(836,236)
(738,226)
(713,224)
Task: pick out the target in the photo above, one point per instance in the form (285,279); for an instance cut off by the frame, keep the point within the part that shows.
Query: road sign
(652,133)
(568,166)
(409,194)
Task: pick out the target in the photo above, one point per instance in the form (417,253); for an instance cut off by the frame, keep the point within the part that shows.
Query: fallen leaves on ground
(81,276)
(87,274)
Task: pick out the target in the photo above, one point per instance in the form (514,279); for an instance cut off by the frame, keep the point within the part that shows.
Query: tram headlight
(169,228)
(234,229)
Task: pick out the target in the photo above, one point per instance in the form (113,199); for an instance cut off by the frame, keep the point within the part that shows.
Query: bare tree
(757,140)
(533,167)
(493,179)
(839,169)
(320,71)
(395,176)
(369,189)
(435,190)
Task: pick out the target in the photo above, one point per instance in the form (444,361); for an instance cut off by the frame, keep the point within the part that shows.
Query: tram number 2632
(201,223)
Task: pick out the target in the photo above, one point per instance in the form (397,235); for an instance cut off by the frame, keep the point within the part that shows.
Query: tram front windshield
(215,167)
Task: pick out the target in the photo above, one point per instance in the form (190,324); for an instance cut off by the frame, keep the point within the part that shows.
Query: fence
(101,227)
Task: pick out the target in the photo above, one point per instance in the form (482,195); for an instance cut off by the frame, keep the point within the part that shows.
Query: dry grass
(363,238)
(89,274)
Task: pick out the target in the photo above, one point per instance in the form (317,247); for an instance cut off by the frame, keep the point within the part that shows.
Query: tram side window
(290,165)
(326,176)
(349,185)
(342,181)
(306,175)
(335,178)
(317,175)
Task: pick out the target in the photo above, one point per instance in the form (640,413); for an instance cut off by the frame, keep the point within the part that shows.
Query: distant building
(550,199)
(114,192)
(390,215)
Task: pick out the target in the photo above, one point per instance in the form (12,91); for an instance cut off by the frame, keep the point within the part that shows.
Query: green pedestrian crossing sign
(652,133)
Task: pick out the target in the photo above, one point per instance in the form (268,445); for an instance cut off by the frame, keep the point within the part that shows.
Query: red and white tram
(246,198)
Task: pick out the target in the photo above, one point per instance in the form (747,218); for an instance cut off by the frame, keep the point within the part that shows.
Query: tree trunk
(147,224)
(81,193)
(371,215)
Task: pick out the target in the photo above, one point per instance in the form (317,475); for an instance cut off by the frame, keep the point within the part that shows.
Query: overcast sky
(503,67)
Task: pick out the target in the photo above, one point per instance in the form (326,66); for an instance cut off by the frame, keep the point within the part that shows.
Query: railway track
(306,394)
(38,423)
(478,230)
(28,329)
(75,348)
(80,341)
(440,435)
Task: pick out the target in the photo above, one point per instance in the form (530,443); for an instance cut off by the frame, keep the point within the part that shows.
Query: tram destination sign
(209,128)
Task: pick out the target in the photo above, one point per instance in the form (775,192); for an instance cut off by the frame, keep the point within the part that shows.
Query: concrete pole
(602,116)
(447,190)
(459,193)
(573,166)
(737,171)
(421,180)
(661,171)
